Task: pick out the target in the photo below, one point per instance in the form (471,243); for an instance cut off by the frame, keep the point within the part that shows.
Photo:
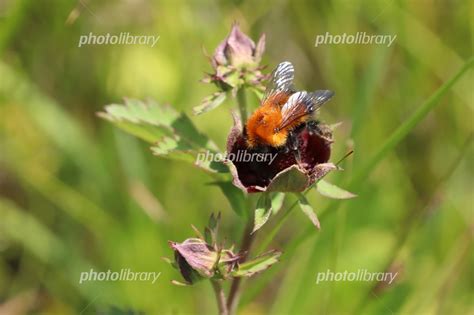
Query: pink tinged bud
(238,50)
(197,254)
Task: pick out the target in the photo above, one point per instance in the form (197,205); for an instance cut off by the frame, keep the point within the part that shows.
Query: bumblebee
(283,112)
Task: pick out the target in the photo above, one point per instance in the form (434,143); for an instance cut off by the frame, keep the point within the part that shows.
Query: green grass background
(77,193)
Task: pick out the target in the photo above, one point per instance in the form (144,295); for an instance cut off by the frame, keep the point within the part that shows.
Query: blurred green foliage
(76,193)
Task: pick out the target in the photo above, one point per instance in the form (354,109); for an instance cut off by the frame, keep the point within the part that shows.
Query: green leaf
(214,221)
(211,166)
(308,210)
(151,121)
(293,179)
(332,191)
(257,264)
(209,103)
(174,148)
(147,121)
(173,133)
(211,230)
(208,236)
(262,211)
(277,202)
(234,195)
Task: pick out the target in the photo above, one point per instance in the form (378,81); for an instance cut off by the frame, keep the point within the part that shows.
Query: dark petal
(235,132)
(314,149)
(189,274)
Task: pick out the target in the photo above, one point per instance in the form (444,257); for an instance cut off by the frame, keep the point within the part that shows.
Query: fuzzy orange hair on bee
(282,110)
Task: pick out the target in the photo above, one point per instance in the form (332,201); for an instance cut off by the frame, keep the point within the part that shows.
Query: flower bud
(195,259)
(238,50)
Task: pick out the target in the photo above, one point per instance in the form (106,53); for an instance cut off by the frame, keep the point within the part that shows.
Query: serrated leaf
(147,121)
(212,166)
(257,264)
(277,202)
(173,132)
(333,191)
(262,212)
(209,103)
(308,210)
(175,149)
(234,195)
(178,141)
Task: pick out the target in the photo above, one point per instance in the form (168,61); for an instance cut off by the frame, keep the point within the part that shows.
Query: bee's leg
(292,145)
(313,127)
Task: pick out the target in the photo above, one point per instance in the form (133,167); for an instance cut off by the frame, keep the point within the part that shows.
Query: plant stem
(248,236)
(220,296)
(242,102)
(234,294)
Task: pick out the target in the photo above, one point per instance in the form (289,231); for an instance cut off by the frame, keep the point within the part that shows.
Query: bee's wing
(301,104)
(281,81)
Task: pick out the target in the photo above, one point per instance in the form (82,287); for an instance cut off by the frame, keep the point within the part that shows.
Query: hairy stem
(242,102)
(220,297)
(234,294)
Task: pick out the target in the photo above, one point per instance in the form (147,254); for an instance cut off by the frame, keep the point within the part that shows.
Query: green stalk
(242,102)
(247,237)
(245,247)
(220,297)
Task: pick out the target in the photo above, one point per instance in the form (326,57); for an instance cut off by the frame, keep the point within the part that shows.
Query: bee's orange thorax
(262,127)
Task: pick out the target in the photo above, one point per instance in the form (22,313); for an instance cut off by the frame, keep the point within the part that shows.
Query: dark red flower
(284,173)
